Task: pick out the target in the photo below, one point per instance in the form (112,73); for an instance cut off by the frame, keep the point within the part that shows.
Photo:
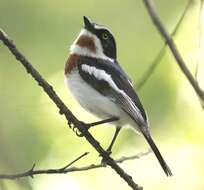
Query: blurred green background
(32,131)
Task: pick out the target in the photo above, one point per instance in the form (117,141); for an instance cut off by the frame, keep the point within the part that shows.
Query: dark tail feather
(157,153)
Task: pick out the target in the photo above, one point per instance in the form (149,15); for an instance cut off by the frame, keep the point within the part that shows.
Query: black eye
(104,36)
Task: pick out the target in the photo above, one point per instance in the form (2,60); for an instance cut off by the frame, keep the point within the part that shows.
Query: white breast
(90,99)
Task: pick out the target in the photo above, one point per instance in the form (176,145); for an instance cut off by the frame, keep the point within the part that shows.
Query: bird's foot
(87,126)
(77,131)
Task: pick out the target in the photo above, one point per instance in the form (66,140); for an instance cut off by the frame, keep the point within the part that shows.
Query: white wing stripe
(102,75)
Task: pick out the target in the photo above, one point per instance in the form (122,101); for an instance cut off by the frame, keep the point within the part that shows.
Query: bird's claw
(78,133)
(76,130)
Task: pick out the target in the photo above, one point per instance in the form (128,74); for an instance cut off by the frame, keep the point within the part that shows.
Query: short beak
(87,24)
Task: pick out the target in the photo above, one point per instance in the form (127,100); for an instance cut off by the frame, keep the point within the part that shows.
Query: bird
(100,85)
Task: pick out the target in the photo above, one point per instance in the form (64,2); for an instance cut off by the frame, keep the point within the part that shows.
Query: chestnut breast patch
(71,63)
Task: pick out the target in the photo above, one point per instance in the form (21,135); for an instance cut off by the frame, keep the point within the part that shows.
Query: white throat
(76,49)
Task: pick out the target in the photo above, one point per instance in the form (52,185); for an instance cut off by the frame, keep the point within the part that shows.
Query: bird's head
(94,40)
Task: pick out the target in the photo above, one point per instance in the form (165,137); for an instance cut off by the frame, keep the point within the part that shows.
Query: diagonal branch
(160,27)
(63,109)
(67,168)
(150,70)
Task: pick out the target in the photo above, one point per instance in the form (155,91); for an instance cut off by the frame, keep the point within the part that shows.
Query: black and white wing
(109,79)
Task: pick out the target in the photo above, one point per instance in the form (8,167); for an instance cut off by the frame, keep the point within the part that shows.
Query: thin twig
(31,172)
(63,109)
(150,70)
(75,160)
(67,168)
(137,156)
(160,27)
